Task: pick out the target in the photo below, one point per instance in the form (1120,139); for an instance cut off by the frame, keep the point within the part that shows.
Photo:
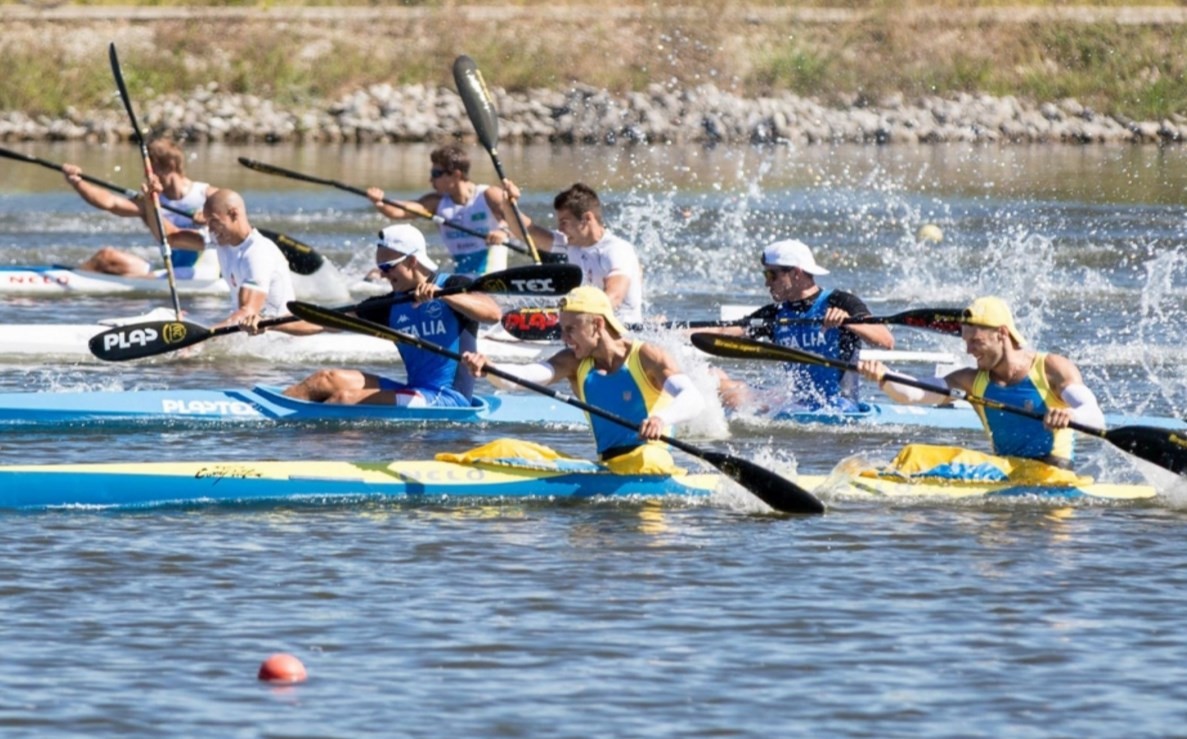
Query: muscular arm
(1066,382)
(475,306)
(616,288)
(428,204)
(99,197)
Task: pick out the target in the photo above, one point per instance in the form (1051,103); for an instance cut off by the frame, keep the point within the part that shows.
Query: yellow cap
(992,313)
(591,300)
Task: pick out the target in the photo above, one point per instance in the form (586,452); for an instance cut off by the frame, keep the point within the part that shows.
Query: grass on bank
(1137,71)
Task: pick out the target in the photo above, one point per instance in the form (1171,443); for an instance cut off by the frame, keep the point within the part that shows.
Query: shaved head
(226,216)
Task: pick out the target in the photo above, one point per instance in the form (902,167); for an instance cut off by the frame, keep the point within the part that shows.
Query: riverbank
(692,74)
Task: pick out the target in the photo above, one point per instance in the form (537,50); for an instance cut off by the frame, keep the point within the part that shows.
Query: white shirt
(258,264)
(610,256)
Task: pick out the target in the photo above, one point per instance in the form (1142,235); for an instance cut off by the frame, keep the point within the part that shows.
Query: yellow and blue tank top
(1013,435)
(626,392)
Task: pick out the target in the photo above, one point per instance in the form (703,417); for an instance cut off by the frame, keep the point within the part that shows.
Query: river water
(687,618)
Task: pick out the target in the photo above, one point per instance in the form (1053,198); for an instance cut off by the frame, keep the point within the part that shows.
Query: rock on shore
(702,114)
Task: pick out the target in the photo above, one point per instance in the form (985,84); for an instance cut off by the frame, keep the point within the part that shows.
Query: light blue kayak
(260,404)
(265,404)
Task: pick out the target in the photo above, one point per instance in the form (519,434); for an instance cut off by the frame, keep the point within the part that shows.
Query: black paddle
(777,492)
(1163,447)
(139,340)
(541,324)
(415,209)
(301,257)
(481,110)
(166,252)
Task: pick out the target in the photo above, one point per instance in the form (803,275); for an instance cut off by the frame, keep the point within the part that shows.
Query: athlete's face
(580,332)
(399,269)
(578,230)
(984,344)
(782,283)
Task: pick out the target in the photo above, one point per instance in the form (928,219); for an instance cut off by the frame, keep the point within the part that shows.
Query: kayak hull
(266,404)
(259,405)
(140,485)
(961,490)
(186,483)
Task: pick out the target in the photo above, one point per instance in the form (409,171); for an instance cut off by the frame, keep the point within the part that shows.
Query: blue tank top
(434,321)
(814,386)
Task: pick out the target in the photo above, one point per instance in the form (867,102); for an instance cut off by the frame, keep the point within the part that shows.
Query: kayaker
(1011,372)
(455,197)
(609,262)
(186,236)
(636,380)
(450,321)
(790,271)
(254,267)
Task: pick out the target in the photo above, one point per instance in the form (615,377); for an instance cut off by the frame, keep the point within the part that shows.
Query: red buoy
(282,668)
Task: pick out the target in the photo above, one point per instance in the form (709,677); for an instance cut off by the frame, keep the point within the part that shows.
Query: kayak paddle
(777,492)
(139,340)
(415,209)
(541,324)
(302,258)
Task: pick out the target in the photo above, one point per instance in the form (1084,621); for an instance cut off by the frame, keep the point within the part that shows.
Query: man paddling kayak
(639,381)
(451,321)
(254,267)
(1008,371)
(458,199)
(186,235)
(790,272)
(608,261)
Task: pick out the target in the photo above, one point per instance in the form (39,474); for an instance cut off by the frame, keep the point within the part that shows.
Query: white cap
(407,239)
(792,253)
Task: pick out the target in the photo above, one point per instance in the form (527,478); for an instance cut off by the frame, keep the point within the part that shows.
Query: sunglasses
(388,266)
(436,172)
(771,273)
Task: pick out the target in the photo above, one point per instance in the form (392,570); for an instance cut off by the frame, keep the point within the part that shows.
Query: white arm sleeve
(1083,404)
(686,402)
(540,373)
(914,395)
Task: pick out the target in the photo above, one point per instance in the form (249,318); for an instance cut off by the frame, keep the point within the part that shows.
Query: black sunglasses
(436,172)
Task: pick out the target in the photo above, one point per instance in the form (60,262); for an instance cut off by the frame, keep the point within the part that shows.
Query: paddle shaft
(166,252)
(414,208)
(945,320)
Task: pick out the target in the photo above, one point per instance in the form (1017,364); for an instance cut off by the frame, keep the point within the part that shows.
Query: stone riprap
(584,115)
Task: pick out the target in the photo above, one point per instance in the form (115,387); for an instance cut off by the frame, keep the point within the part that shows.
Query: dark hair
(579,200)
(451,158)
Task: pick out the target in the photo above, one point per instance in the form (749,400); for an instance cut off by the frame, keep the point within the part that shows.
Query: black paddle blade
(532,279)
(302,257)
(776,491)
(942,320)
(1163,447)
(738,348)
(139,340)
(533,324)
(480,107)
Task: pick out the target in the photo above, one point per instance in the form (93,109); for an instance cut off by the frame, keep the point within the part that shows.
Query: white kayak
(68,342)
(58,281)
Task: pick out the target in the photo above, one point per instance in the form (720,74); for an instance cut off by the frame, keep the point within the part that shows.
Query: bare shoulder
(961,379)
(565,363)
(1061,371)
